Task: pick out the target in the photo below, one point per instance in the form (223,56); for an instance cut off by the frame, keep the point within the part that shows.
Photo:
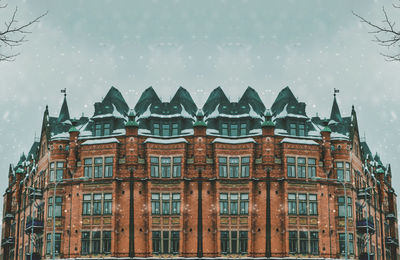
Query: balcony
(366,256)
(8,241)
(364,227)
(391,241)
(363,194)
(8,216)
(391,216)
(37,226)
(35,256)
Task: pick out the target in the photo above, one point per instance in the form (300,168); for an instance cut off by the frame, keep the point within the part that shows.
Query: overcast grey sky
(89,46)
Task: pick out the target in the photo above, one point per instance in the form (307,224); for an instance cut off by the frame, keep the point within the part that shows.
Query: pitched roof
(286,104)
(113,100)
(64,112)
(335,112)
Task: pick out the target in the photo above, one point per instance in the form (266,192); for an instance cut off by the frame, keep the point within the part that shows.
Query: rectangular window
(165,167)
(177,167)
(312,172)
(340,171)
(108,167)
(58,206)
(342,206)
(154,167)
(234,167)
(165,130)
(348,176)
(302,131)
(224,242)
(97,204)
(224,128)
(292,242)
(98,130)
(156,129)
(244,203)
(303,242)
(245,167)
(106,242)
(292,204)
(292,129)
(176,203)
(88,167)
(234,203)
(243,241)
(234,240)
(349,207)
(291,167)
(48,244)
(314,248)
(234,129)
(175,242)
(96,235)
(222,167)
(223,203)
(50,207)
(175,129)
(301,167)
(87,204)
(156,241)
(302,204)
(313,204)
(155,203)
(98,167)
(165,248)
(107,129)
(165,204)
(85,242)
(107,204)
(243,129)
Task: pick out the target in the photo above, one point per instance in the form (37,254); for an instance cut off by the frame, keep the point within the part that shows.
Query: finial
(64,91)
(335,90)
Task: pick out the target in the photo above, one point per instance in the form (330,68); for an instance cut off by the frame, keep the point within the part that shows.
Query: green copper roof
(200,123)
(73,129)
(20,170)
(131,123)
(267,123)
(64,112)
(326,129)
(335,112)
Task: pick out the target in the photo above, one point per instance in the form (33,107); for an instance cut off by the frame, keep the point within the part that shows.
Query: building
(232,179)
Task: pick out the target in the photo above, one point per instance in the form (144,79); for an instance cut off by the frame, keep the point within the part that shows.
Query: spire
(335,112)
(64,112)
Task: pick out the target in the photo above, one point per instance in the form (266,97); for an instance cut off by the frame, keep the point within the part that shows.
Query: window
(313,205)
(243,131)
(234,129)
(224,129)
(348,177)
(292,242)
(303,242)
(107,129)
(301,130)
(102,129)
(234,167)
(292,129)
(57,243)
(312,172)
(302,204)
(88,167)
(96,242)
(156,129)
(57,207)
(170,203)
(177,167)
(107,204)
(301,167)
(305,206)
(304,167)
(165,130)
(343,171)
(342,243)
(238,166)
(175,130)
(108,167)
(234,242)
(165,165)
(98,130)
(101,165)
(169,243)
(298,129)
(291,167)
(245,171)
(342,206)
(58,170)
(85,242)
(97,204)
(223,167)
(98,167)
(229,203)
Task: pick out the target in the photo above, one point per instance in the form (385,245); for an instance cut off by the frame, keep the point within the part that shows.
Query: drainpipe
(131,216)
(268,215)
(199,218)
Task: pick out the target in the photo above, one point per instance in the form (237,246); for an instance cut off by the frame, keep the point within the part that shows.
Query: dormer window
(298,129)
(166,129)
(102,129)
(233,129)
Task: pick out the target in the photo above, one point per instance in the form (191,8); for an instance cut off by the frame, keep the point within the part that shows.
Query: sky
(88,46)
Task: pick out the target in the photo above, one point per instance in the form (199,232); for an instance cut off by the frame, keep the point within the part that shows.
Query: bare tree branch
(385,34)
(13,34)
